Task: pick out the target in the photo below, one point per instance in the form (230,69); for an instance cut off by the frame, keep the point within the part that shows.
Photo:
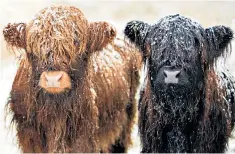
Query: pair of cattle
(75,88)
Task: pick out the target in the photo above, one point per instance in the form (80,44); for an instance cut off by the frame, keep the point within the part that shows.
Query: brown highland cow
(75,88)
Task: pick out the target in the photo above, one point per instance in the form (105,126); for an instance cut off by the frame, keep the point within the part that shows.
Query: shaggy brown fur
(100,107)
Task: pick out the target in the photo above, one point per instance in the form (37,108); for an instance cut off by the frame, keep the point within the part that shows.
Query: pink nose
(55,81)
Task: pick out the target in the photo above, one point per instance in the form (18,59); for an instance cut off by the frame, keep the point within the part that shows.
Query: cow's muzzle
(172,75)
(55,81)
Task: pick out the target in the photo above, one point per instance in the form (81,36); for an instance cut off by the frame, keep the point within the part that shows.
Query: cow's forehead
(176,39)
(175,24)
(176,33)
(177,20)
(58,29)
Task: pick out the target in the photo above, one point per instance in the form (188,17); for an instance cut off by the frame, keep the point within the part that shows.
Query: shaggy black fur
(184,117)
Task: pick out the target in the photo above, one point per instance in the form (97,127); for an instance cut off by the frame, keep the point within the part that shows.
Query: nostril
(55,77)
(46,77)
(164,73)
(178,74)
(58,77)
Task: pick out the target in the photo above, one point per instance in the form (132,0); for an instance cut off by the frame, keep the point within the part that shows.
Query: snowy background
(118,13)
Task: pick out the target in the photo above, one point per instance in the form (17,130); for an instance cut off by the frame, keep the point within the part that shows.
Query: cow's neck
(174,140)
(179,110)
(171,129)
(180,125)
(66,118)
(66,121)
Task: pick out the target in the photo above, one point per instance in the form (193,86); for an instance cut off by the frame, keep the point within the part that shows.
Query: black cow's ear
(136,31)
(15,35)
(219,37)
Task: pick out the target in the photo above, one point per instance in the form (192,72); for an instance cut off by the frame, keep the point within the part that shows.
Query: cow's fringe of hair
(62,30)
(57,30)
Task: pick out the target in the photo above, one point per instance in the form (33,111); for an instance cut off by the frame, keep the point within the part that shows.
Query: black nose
(172,75)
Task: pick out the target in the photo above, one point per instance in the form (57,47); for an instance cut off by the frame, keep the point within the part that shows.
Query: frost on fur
(187,104)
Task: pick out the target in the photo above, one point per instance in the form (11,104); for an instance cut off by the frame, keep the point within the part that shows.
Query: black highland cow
(187,103)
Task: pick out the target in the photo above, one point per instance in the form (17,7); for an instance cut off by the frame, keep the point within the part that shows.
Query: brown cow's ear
(15,35)
(218,37)
(100,35)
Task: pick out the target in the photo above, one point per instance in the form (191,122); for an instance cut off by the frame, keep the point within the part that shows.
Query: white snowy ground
(118,12)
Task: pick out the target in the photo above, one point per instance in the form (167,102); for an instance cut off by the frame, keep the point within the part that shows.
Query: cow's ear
(136,31)
(15,35)
(100,34)
(219,37)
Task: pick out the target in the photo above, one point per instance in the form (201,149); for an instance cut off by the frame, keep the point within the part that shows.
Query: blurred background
(207,13)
